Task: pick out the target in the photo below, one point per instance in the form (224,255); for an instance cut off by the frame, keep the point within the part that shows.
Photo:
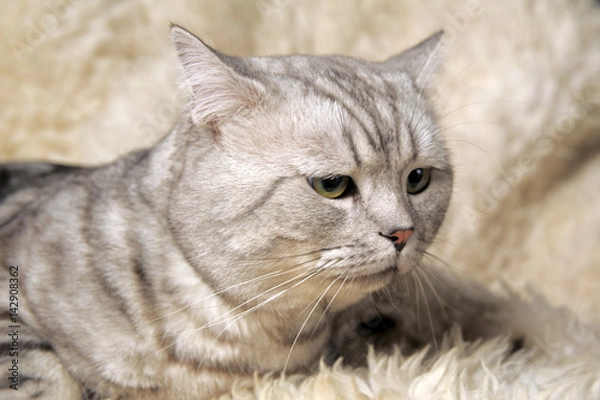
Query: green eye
(332,187)
(418,180)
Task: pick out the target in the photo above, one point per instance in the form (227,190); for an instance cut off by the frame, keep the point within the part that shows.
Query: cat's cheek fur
(430,205)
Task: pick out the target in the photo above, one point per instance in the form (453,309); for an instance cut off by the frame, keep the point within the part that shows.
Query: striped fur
(175,270)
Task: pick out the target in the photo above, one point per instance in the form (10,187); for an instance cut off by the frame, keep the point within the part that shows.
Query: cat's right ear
(218,91)
(422,60)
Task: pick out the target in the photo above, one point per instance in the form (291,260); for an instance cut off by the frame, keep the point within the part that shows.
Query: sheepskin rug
(519,99)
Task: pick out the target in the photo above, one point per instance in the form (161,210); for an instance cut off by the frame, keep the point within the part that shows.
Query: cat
(290,188)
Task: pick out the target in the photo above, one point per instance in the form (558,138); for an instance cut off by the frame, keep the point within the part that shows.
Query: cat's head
(306,173)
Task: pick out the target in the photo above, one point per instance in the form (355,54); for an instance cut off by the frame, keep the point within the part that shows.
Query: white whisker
(447,127)
(309,253)
(266,276)
(261,304)
(428,310)
(428,278)
(474,103)
(223,318)
(287,360)
(328,306)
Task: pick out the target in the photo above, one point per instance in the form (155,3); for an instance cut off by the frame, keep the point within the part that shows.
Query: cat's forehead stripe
(364,97)
(414,151)
(369,100)
(351,113)
(366,107)
(349,140)
(310,86)
(338,81)
(360,107)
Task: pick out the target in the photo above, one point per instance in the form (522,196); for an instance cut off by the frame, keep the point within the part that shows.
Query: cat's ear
(218,91)
(421,60)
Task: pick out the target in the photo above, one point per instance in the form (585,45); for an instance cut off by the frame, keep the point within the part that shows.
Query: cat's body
(147,318)
(209,257)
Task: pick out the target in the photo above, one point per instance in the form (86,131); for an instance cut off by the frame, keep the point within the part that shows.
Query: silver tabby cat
(290,188)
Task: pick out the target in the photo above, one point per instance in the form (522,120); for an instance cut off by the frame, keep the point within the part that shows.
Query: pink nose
(400,237)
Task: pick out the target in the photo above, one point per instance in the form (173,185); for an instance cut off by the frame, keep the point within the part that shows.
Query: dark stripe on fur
(392,95)
(262,200)
(343,103)
(410,126)
(336,99)
(363,97)
(15,176)
(312,87)
(25,346)
(349,139)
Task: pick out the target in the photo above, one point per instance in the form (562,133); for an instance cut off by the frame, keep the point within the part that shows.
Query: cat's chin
(384,273)
(374,280)
(359,284)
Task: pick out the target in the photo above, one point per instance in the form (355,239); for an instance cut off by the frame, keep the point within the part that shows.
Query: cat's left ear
(219,92)
(420,61)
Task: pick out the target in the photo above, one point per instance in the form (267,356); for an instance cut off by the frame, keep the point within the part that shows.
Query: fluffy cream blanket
(84,81)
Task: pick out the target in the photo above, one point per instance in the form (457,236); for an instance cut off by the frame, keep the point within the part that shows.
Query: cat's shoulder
(20,175)
(25,184)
